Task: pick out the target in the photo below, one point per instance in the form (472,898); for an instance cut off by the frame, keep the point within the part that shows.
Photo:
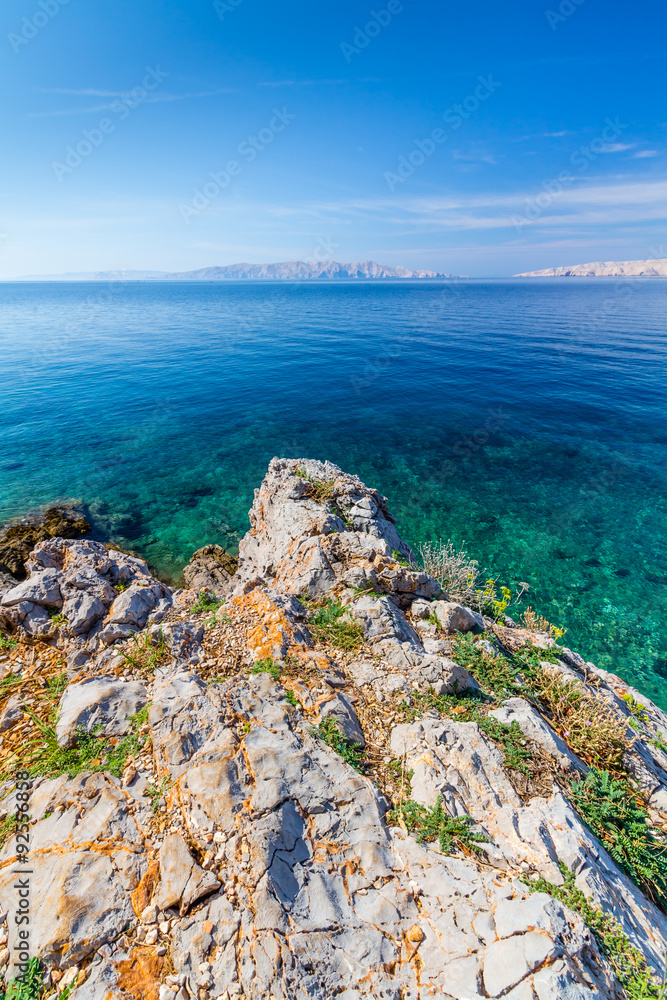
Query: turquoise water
(526,418)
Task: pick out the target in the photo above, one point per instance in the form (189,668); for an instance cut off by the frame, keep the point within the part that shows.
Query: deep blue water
(526,418)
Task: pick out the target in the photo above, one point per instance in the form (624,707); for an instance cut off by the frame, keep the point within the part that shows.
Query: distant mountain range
(288,270)
(656,268)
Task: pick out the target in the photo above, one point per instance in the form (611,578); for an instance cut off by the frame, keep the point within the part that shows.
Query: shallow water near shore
(526,418)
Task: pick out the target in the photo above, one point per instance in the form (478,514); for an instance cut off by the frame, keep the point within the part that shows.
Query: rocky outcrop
(211,569)
(220,799)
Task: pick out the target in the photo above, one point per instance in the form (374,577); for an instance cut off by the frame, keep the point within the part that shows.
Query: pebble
(151,935)
(149,915)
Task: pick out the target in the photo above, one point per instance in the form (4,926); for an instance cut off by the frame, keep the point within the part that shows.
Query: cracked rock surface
(210,843)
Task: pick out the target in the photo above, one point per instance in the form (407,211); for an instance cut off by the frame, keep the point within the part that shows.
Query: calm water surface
(526,418)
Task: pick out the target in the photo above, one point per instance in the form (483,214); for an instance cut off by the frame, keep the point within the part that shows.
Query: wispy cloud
(644,154)
(299,83)
(618,147)
(120,95)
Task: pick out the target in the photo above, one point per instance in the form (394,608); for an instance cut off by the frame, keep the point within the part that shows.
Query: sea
(524,419)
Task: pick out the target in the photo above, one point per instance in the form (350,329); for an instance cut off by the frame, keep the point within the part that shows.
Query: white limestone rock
(98,701)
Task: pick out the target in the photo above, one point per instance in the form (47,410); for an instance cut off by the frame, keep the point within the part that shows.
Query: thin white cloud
(618,147)
(126,95)
(645,154)
(299,83)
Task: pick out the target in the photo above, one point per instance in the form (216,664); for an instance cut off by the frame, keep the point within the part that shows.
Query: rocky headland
(314,774)
(652,268)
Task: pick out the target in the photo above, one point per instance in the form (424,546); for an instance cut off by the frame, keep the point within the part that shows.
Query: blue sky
(481,139)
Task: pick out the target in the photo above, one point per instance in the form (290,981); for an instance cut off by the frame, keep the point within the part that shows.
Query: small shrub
(610,809)
(395,554)
(58,619)
(292,699)
(120,585)
(206,602)
(432,823)
(629,965)
(6,642)
(330,733)
(637,710)
(267,666)
(452,568)
(332,623)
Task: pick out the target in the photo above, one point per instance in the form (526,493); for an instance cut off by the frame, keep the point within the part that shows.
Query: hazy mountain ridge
(655,268)
(283,271)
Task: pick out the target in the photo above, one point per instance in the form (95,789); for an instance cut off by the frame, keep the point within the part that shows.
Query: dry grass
(453,569)
(537,623)
(590,726)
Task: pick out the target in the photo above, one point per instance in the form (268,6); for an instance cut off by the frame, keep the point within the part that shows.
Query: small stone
(151,936)
(164,926)
(207,927)
(5,955)
(416,934)
(149,915)
(129,774)
(166,992)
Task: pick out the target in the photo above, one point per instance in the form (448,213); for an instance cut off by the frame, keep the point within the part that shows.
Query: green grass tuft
(267,666)
(331,622)
(6,642)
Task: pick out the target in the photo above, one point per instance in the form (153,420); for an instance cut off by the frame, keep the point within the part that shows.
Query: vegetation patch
(331,622)
(631,969)
(206,602)
(267,666)
(610,808)
(6,642)
(43,757)
(496,675)
(431,823)
(330,733)
(513,743)
(452,568)
(145,653)
(29,986)
(593,730)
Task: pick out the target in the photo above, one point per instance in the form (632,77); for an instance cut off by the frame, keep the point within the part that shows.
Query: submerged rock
(18,540)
